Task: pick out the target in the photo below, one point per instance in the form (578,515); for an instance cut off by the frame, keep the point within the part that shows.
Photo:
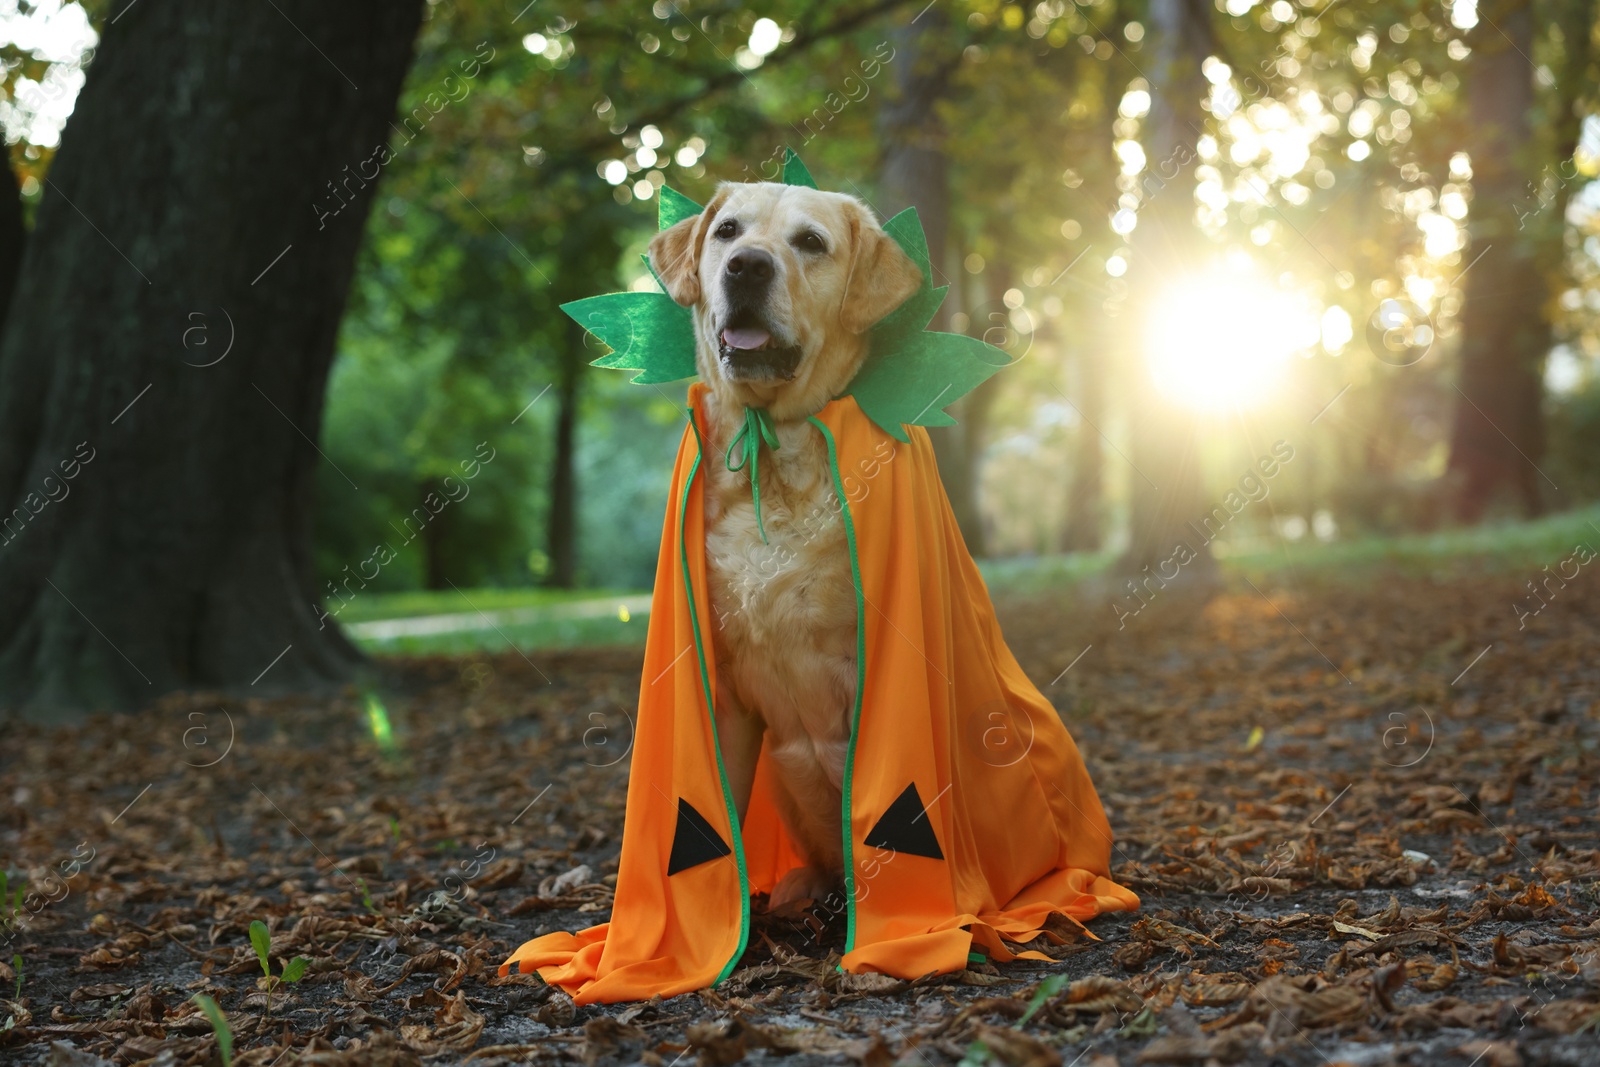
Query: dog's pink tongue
(745,337)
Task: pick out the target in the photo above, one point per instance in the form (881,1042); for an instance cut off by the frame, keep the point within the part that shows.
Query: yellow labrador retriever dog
(784,282)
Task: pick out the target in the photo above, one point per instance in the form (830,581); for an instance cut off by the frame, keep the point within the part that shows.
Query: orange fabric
(944,707)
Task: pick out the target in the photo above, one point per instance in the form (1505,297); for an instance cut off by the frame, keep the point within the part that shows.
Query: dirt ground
(1361,817)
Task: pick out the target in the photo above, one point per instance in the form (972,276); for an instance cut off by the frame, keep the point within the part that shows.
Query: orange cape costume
(968,814)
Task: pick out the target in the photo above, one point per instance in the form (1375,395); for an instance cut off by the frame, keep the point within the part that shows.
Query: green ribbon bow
(758,429)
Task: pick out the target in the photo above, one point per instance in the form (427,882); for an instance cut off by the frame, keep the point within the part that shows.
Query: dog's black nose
(750,267)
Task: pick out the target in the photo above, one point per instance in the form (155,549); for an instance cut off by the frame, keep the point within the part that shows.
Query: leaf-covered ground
(1362,818)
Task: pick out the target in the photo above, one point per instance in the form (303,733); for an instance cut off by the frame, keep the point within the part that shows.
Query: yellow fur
(786,629)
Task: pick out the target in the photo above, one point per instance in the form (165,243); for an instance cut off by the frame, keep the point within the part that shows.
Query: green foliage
(1575,440)
(453,327)
(16,966)
(219,1025)
(404,416)
(293,971)
(261,941)
(493,216)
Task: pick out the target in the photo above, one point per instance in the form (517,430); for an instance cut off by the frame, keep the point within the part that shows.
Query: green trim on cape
(737,830)
(846,819)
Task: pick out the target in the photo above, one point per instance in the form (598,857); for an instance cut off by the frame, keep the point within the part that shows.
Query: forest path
(1362,817)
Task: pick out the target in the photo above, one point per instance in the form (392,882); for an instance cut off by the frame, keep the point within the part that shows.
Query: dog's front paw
(803,883)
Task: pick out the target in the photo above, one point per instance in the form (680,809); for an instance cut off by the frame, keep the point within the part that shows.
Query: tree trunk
(1167,490)
(916,173)
(990,321)
(974,413)
(13,237)
(162,373)
(434,538)
(1498,435)
(563,523)
(1498,438)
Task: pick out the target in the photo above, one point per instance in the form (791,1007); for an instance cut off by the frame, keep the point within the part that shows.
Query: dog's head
(784,281)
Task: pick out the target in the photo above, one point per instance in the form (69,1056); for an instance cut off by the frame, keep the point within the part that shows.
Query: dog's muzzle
(746,345)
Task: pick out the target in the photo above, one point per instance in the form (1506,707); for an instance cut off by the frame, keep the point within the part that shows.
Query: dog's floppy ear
(675,253)
(882,276)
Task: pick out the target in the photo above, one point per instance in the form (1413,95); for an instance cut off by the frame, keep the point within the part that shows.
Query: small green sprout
(293,971)
(1047,989)
(219,1023)
(16,965)
(977,1055)
(366,898)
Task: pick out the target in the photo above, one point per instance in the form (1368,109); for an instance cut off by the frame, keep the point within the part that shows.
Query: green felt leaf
(913,385)
(795,172)
(675,207)
(294,970)
(646,332)
(912,316)
(904,325)
(644,257)
(906,229)
(905,322)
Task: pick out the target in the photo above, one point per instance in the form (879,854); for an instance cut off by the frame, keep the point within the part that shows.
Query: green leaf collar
(911,374)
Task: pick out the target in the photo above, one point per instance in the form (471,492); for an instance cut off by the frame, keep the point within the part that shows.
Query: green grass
(561,633)
(1032,574)
(1497,546)
(365,607)
(1478,549)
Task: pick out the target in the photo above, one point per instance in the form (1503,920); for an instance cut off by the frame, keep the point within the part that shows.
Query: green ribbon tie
(758,428)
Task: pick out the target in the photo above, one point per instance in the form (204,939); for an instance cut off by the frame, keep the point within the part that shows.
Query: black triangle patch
(905,827)
(694,842)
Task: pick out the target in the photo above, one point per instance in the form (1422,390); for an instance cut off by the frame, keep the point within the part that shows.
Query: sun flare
(1224,340)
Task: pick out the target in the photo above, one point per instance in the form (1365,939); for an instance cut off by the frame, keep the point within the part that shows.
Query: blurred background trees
(1200,226)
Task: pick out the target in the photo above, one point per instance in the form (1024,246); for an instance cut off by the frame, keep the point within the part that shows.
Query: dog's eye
(809,241)
(728,230)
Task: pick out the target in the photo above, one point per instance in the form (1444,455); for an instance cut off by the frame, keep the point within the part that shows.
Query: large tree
(1497,437)
(1167,491)
(13,237)
(1517,250)
(916,173)
(163,365)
